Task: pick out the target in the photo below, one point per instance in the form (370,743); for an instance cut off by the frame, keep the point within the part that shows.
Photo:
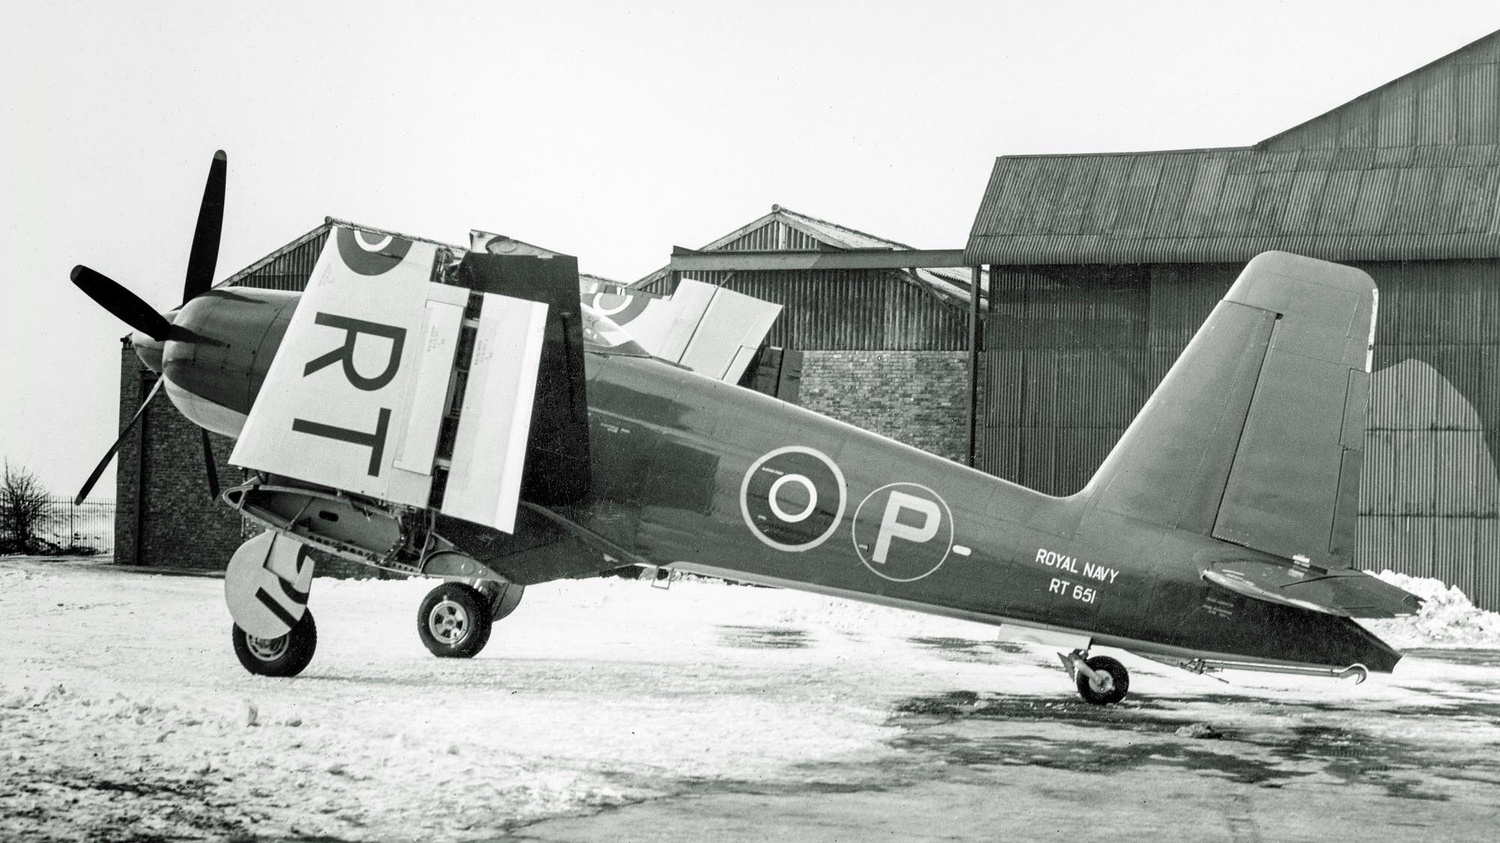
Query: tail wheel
(454,621)
(288,655)
(1108,686)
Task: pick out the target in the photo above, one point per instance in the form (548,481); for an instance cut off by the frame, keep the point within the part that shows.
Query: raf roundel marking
(774,496)
(368,256)
(621,309)
(903,531)
(793,498)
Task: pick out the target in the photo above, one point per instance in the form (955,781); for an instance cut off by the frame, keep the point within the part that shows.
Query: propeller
(125,305)
(88,485)
(210,465)
(205,254)
(146,320)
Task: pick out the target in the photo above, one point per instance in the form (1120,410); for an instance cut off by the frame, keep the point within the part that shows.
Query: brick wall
(128,463)
(916,397)
(164,515)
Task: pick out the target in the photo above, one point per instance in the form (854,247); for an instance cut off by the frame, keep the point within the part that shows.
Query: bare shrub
(25,512)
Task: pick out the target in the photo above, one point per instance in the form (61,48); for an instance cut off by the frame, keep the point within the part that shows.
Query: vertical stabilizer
(1256,435)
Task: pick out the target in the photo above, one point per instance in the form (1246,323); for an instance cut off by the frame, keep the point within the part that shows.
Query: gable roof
(786,230)
(1452,100)
(1408,171)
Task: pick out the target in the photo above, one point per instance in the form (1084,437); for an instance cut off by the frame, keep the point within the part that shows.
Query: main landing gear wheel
(454,621)
(1109,683)
(288,655)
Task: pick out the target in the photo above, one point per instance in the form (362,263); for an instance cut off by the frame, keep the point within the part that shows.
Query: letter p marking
(891,526)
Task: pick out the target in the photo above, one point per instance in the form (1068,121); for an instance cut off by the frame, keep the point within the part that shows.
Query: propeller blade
(125,305)
(208,462)
(204,258)
(88,485)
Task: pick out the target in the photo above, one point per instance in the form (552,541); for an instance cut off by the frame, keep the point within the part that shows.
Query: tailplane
(1256,435)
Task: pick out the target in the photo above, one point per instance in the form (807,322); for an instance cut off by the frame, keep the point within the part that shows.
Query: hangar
(1100,267)
(1103,265)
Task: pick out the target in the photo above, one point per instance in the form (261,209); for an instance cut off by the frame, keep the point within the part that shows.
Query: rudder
(1256,434)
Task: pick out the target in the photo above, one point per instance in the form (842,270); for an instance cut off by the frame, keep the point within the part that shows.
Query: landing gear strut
(1101,680)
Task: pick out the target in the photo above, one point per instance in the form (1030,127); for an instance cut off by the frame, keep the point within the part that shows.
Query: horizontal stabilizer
(1341,591)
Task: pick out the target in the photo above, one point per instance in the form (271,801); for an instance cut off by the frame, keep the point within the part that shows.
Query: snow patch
(1447,618)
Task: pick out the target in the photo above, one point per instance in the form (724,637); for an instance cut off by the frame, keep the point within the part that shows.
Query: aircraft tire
(1115,689)
(454,621)
(288,655)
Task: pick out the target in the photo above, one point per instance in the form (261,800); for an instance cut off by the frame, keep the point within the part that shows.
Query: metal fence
(90,524)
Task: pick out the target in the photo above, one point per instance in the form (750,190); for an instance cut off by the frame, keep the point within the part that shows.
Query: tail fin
(1256,435)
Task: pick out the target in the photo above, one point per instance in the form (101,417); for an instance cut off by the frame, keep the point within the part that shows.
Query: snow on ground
(109,681)
(1447,618)
(124,714)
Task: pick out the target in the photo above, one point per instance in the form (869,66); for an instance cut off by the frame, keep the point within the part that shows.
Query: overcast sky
(607,130)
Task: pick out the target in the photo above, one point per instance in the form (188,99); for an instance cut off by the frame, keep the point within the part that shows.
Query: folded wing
(709,329)
(367,392)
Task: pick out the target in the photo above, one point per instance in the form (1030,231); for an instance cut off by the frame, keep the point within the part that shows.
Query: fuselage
(702,475)
(711,477)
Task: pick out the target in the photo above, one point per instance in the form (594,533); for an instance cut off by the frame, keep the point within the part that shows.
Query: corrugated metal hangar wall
(1103,266)
(884,349)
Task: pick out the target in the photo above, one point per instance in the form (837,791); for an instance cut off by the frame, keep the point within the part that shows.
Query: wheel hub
(448,622)
(267,649)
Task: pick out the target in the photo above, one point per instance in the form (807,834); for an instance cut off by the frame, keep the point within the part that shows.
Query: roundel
(793,498)
(903,531)
(370,254)
(618,307)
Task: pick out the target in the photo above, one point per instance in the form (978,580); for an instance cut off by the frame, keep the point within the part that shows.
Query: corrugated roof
(1227,205)
(784,229)
(1450,100)
(266,261)
(949,284)
(1409,171)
